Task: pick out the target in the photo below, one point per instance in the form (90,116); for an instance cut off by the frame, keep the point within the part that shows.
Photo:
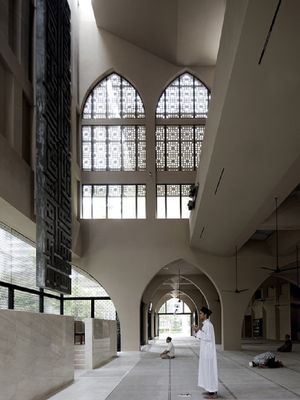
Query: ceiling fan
(277,269)
(236,277)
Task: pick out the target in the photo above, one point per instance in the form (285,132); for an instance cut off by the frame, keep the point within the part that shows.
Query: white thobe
(171,349)
(208,372)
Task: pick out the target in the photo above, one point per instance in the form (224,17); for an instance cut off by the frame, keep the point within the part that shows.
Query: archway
(274,310)
(181,285)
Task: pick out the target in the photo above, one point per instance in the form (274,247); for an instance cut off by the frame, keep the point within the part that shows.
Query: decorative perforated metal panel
(185,97)
(53,166)
(114,97)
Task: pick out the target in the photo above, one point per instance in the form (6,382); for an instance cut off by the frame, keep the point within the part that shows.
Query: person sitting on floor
(265,360)
(287,346)
(170,350)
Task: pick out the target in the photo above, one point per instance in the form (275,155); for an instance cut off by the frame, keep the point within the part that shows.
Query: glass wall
(18,275)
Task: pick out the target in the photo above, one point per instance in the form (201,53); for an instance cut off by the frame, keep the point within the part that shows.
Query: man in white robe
(170,350)
(208,371)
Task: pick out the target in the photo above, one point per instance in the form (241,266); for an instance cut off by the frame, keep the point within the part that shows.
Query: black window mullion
(92,202)
(61,304)
(136,201)
(180,200)
(41,300)
(92,308)
(11,298)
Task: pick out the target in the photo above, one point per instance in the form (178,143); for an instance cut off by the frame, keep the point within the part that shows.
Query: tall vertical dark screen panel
(53,168)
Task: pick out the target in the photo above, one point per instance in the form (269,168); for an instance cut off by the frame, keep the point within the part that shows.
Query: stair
(79,356)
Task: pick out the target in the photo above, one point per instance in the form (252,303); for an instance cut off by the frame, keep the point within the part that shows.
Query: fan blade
(235,291)
(269,269)
(288,269)
(242,290)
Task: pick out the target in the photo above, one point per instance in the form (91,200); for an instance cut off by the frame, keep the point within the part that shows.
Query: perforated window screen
(114,97)
(178,147)
(185,97)
(114,148)
(180,123)
(107,145)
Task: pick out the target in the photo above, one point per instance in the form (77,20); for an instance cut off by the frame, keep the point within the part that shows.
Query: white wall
(124,256)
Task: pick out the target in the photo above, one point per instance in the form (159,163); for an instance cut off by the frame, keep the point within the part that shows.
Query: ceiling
(251,150)
(179,265)
(183,32)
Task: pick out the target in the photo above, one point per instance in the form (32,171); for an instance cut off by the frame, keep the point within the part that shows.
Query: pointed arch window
(113,132)
(185,97)
(180,121)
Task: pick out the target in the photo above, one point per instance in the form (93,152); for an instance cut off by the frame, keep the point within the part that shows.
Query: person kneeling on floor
(170,350)
(287,345)
(265,360)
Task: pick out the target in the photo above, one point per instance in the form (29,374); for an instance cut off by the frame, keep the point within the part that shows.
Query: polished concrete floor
(144,376)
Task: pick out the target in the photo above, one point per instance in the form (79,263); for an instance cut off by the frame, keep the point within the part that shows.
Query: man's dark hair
(169,338)
(206,311)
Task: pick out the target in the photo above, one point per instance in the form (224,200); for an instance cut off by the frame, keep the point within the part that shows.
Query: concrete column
(234,306)
(153,323)
(145,322)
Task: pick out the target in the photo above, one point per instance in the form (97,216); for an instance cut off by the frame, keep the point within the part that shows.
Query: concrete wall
(100,341)
(125,256)
(35,348)
(17,118)
(122,255)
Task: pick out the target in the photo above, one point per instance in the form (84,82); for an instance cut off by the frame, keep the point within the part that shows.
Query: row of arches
(270,312)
